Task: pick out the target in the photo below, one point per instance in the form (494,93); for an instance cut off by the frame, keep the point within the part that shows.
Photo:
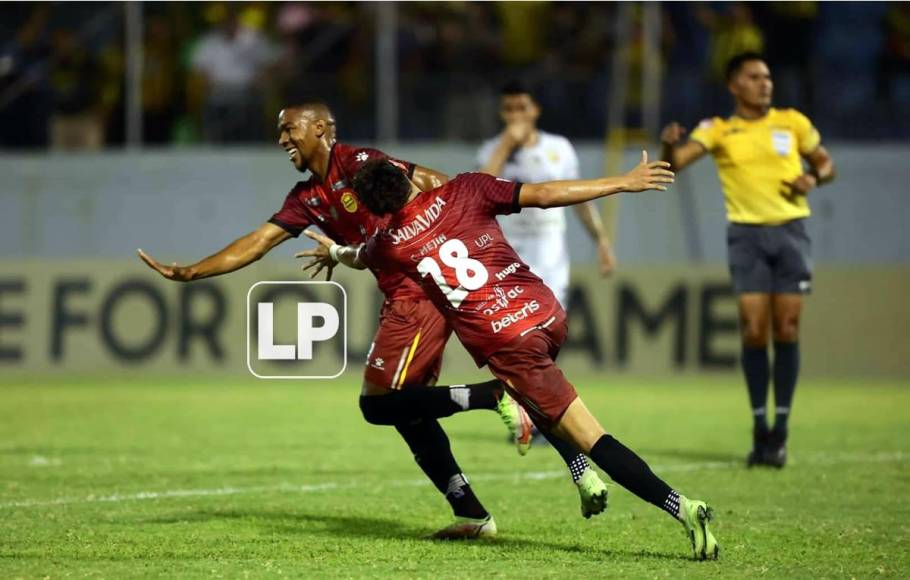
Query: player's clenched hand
(645,176)
(801,185)
(320,254)
(672,134)
(172,272)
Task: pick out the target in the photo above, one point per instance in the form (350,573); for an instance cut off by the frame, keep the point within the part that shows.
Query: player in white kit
(524,153)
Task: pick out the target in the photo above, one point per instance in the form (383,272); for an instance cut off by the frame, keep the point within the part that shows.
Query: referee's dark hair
(737,62)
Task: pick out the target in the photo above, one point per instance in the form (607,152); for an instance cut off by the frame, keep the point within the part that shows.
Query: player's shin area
(579,426)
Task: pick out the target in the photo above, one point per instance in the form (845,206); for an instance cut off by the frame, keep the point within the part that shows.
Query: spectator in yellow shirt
(768,160)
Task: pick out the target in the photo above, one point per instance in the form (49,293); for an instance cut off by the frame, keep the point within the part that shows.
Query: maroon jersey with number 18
(332,206)
(448,240)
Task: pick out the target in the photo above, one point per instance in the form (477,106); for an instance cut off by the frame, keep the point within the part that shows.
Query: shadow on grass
(371,528)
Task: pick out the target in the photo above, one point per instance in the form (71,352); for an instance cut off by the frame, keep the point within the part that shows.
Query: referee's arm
(821,171)
(821,165)
(679,155)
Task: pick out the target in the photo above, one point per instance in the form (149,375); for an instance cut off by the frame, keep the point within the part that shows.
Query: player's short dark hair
(736,63)
(381,186)
(517,87)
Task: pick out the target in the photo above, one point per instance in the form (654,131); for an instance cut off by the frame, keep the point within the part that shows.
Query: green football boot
(695,518)
(593,493)
(517,421)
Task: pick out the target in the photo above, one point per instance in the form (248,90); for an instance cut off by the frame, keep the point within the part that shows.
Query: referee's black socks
(786,371)
(757,371)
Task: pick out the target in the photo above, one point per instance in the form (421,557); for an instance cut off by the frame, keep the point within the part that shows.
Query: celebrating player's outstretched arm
(654,175)
(239,253)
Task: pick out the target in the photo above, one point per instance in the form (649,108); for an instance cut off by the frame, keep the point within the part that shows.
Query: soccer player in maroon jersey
(448,240)
(406,354)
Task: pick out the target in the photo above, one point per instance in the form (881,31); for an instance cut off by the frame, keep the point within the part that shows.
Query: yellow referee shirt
(754,158)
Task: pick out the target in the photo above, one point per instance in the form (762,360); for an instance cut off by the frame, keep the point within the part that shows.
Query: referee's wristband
(333,252)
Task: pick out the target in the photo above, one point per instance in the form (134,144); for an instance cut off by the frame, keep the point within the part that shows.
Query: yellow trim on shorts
(404,372)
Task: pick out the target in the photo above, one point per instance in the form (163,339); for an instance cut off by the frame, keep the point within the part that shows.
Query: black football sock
(786,371)
(575,460)
(757,370)
(429,402)
(430,446)
(483,395)
(630,471)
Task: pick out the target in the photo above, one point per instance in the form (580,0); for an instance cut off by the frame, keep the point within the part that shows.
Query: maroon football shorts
(528,367)
(407,349)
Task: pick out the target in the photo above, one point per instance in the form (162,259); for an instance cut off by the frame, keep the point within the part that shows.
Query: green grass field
(184,477)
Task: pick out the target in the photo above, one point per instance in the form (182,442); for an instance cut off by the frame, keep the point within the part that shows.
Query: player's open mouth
(292,153)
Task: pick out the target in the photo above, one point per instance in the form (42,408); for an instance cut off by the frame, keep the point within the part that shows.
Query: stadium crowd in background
(205,62)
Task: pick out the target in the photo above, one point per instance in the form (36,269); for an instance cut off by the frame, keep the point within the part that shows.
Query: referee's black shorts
(770,259)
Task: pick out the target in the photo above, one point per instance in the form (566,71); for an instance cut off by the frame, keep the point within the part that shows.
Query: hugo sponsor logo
(507,271)
(514,317)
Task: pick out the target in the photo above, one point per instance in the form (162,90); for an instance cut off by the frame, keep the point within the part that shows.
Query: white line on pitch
(818,459)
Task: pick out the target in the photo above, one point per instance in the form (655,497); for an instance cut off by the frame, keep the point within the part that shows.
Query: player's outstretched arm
(426,179)
(327,253)
(239,253)
(654,175)
(680,155)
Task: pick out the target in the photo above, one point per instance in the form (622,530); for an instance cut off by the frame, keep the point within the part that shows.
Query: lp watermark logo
(296,330)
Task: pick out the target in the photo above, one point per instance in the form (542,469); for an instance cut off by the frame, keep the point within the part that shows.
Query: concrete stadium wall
(91,316)
(181,205)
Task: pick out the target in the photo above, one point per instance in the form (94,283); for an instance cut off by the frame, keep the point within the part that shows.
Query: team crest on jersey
(782,142)
(349,202)
(340,184)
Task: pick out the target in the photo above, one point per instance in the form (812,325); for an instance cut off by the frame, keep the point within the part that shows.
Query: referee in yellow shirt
(768,160)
